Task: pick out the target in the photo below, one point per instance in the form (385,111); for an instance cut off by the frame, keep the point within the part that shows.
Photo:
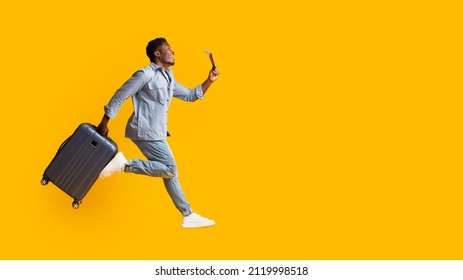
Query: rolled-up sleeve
(187,94)
(129,88)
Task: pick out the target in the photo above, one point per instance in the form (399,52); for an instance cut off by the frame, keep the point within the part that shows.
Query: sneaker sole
(198,225)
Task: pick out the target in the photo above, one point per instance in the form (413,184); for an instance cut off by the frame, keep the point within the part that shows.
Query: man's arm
(197,93)
(129,88)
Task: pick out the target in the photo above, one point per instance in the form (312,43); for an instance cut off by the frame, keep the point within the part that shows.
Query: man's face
(166,55)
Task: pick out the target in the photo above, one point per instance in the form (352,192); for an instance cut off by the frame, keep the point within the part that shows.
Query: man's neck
(164,67)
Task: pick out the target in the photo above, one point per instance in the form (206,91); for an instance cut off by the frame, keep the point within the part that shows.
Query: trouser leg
(160,163)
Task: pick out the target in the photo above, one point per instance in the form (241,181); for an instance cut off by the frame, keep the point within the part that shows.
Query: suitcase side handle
(62,145)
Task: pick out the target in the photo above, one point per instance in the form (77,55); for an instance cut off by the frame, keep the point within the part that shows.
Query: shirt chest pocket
(158,93)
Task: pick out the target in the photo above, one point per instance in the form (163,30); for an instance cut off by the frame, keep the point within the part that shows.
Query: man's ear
(157,54)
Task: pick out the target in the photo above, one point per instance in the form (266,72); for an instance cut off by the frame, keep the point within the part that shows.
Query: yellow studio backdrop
(333,132)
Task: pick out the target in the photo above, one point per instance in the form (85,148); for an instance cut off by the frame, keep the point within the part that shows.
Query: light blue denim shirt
(151,91)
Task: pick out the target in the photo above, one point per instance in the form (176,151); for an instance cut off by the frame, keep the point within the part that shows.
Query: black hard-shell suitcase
(79,161)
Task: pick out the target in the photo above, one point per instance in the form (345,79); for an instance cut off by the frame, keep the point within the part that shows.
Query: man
(152,89)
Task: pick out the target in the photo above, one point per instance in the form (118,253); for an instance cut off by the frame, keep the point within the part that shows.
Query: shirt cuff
(110,113)
(199,92)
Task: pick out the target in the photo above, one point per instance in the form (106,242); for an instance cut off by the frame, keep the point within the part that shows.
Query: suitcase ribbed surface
(79,162)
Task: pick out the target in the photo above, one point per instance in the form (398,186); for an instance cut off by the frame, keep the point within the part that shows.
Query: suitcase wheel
(44,181)
(76,204)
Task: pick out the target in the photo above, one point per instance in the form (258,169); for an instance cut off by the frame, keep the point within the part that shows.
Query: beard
(169,62)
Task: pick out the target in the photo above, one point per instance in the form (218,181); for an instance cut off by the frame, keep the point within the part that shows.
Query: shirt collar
(156,67)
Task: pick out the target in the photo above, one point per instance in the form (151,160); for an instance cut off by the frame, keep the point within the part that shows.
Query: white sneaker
(116,165)
(195,220)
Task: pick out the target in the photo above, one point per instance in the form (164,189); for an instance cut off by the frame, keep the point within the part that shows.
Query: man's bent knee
(171,172)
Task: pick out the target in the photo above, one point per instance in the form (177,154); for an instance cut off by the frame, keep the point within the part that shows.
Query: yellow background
(334,131)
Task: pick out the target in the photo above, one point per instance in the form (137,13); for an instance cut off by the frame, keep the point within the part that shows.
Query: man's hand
(102,129)
(103,126)
(213,74)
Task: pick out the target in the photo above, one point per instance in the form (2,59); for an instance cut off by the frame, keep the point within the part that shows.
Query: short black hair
(152,46)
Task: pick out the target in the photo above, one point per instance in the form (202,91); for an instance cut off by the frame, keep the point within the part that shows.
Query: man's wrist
(105,119)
